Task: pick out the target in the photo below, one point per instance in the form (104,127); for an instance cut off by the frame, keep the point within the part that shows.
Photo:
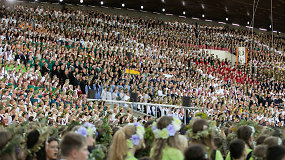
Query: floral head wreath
(88,129)
(170,130)
(137,137)
(209,129)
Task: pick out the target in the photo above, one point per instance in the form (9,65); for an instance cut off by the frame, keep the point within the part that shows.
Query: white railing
(134,107)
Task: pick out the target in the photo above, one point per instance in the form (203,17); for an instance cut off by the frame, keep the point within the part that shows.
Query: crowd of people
(52,59)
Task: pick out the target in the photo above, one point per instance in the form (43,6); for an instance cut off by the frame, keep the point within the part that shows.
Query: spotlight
(60,0)
(227,19)
(203,15)
(184,12)
(248,22)
(141,7)
(101,2)
(123,4)
(163,10)
(81,1)
(269,26)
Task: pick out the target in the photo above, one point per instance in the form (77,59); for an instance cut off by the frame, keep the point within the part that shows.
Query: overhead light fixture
(262,29)
(183,3)
(275,31)
(222,22)
(141,7)
(203,6)
(101,2)
(36,0)
(123,4)
(203,15)
(248,22)
(279,32)
(227,19)
(195,18)
(81,1)
(184,12)
(208,20)
(60,0)
(234,24)
(162,1)
(269,26)
(249,27)
(163,9)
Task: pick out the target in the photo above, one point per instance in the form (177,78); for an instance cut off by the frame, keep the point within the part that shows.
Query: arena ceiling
(237,11)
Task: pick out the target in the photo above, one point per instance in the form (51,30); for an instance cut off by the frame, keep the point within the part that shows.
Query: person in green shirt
(126,141)
(245,133)
(167,144)
(202,133)
(237,150)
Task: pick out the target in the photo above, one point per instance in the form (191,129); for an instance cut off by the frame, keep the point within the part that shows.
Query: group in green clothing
(199,144)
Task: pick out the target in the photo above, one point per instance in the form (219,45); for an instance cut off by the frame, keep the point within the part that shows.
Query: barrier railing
(141,108)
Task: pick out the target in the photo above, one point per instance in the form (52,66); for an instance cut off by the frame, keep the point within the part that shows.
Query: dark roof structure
(237,11)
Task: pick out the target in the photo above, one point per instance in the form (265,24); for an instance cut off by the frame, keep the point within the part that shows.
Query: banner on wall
(241,55)
(133,72)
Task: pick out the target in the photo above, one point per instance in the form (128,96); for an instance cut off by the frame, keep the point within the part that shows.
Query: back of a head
(118,148)
(5,137)
(260,151)
(199,125)
(237,148)
(195,152)
(260,139)
(275,153)
(272,141)
(245,133)
(71,141)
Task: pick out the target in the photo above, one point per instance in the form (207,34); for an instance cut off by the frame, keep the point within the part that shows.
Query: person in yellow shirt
(245,133)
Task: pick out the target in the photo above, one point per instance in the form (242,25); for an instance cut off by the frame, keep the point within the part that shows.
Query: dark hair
(260,139)
(275,153)
(195,152)
(71,141)
(50,139)
(237,147)
(244,133)
(145,158)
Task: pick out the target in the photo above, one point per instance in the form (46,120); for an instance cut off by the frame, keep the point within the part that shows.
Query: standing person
(166,143)
(245,133)
(51,148)
(74,147)
(126,141)
(207,139)
(237,150)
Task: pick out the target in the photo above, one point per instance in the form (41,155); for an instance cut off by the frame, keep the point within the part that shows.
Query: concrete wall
(221,54)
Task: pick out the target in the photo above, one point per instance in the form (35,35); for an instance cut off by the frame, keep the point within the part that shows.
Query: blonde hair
(118,149)
(160,144)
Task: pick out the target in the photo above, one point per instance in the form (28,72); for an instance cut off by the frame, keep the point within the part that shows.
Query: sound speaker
(133,97)
(186,101)
(91,94)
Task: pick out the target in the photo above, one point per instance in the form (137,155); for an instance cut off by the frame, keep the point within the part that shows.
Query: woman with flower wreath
(245,133)
(126,141)
(88,130)
(166,144)
(202,133)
